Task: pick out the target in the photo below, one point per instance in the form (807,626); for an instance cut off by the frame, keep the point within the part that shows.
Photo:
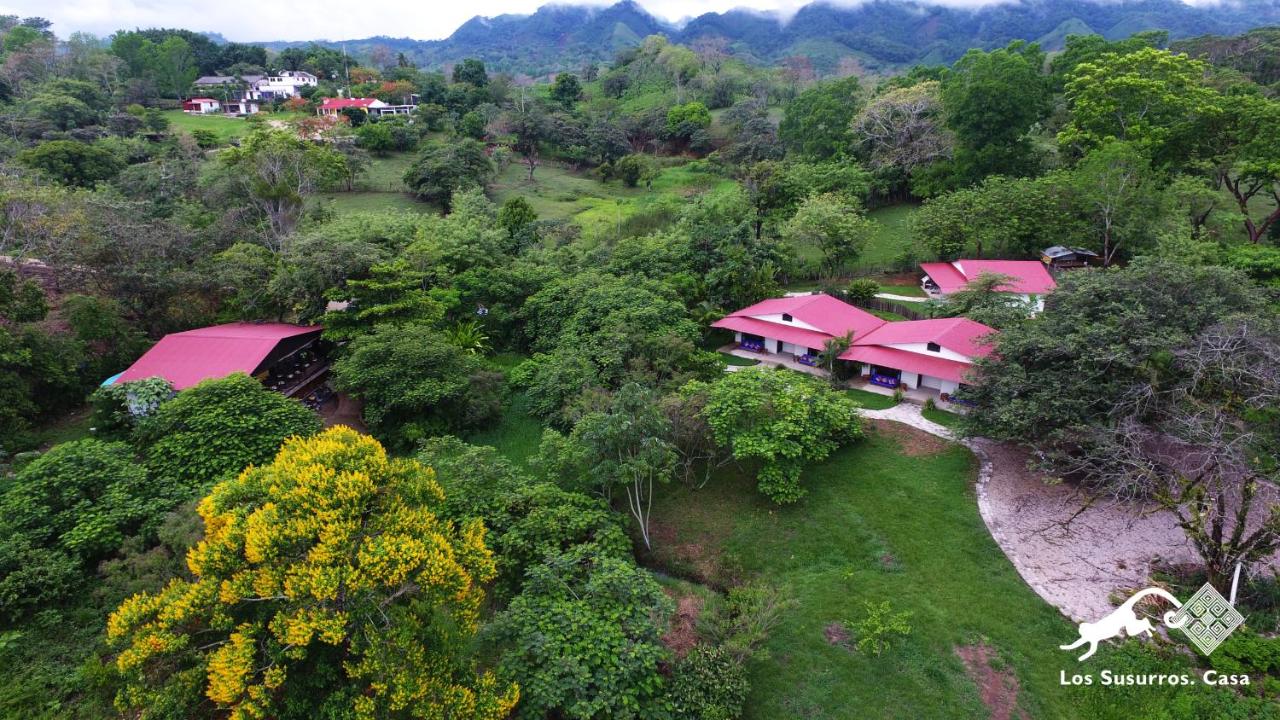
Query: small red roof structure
(201,100)
(186,358)
(958,334)
(340,103)
(1029,277)
(823,315)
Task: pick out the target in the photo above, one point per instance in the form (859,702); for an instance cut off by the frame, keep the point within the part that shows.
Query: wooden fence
(901,308)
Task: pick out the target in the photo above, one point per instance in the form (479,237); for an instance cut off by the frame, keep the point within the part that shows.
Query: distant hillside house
(201,106)
(286,358)
(283,86)
(917,354)
(334,106)
(1027,278)
(1061,258)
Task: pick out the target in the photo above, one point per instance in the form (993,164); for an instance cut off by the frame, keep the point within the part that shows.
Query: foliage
(875,631)
(816,123)
(834,224)
(583,639)
(516,215)
(783,421)
(120,406)
(708,684)
(69,508)
(441,170)
(72,162)
(216,429)
(566,89)
(749,614)
(275,171)
(415,383)
(325,584)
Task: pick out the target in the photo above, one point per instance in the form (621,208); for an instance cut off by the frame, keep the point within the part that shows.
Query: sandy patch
(912,442)
(682,634)
(998,688)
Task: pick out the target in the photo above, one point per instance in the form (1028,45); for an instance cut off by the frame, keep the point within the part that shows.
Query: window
(786,317)
(934,347)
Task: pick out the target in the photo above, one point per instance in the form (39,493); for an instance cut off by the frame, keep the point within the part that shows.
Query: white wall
(777,319)
(923,349)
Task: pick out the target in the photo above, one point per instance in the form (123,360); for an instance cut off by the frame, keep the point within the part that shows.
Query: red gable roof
(961,335)
(1029,276)
(186,358)
(829,315)
(339,103)
(909,361)
(776,331)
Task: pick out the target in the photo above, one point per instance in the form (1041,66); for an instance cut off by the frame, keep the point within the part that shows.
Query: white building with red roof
(913,354)
(1028,279)
(333,106)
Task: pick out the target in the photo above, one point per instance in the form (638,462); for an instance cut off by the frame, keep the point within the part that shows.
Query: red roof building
(186,358)
(332,106)
(1027,277)
(936,354)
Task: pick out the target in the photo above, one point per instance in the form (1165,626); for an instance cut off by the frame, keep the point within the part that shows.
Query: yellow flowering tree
(325,586)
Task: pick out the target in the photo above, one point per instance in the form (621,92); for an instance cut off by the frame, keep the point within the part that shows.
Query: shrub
(750,612)
(217,428)
(118,408)
(862,291)
(708,684)
(876,631)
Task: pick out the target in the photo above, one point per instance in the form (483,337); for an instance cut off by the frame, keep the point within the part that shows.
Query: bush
(876,631)
(632,169)
(862,291)
(118,408)
(218,428)
(708,684)
(750,612)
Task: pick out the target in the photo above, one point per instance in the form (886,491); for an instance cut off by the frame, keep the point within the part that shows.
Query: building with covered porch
(931,356)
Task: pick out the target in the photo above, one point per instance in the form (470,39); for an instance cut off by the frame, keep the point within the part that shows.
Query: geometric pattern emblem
(1207,619)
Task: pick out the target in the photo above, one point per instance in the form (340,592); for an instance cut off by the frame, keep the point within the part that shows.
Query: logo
(1207,619)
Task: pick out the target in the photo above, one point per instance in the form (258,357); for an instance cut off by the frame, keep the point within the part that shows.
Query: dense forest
(558,498)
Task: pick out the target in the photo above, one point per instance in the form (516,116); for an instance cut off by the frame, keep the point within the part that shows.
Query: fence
(899,308)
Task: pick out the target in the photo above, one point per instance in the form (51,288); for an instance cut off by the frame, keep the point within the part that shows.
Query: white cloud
(259,20)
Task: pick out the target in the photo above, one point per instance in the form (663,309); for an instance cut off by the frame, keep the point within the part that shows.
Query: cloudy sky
(250,20)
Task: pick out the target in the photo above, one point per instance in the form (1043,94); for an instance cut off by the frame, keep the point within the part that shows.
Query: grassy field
(739,361)
(516,436)
(603,210)
(942,417)
(882,521)
(893,235)
(379,188)
(226,128)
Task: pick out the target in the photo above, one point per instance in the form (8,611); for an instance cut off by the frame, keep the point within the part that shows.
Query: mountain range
(876,35)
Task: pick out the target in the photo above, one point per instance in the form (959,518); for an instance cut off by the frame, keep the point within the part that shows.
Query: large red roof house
(1028,279)
(913,354)
(284,357)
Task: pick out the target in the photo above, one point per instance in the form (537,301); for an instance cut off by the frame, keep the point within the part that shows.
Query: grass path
(892,518)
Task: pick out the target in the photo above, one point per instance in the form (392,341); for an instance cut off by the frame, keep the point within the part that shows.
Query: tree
(71,506)
(992,100)
(376,138)
(1249,162)
(584,638)
(63,111)
(71,162)
(1114,187)
(779,421)
(415,383)
(275,171)
(816,123)
(516,215)
(566,89)
(472,72)
(902,130)
(325,585)
(833,224)
(441,170)
(1197,434)
(1100,332)
(217,428)
(632,169)
(626,446)
(685,122)
(1151,98)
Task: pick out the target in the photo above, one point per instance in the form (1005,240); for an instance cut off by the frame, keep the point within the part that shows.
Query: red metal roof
(908,361)
(202,99)
(959,334)
(339,103)
(823,312)
(775,331)
(1029,276)
(186,358)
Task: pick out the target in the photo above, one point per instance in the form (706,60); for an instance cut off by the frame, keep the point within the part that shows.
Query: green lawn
(876,525)
(904,290)
(892,236)
(739,361)
(226,128)
(942,417)
(73,426)
(870,400)
(350,202)
(516,436)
